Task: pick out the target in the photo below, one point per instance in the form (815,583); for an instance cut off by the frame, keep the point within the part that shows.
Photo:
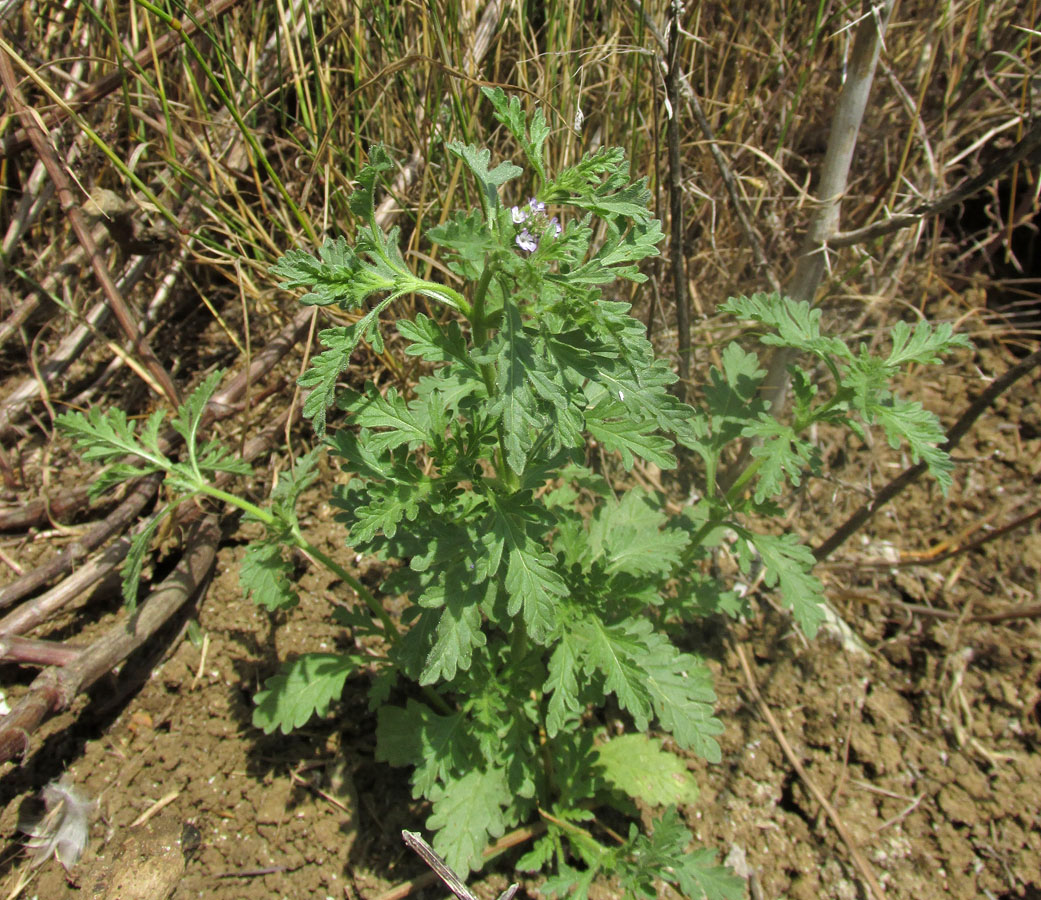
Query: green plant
(539,644)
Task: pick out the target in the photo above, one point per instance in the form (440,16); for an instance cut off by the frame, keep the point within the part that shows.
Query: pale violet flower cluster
(533,217)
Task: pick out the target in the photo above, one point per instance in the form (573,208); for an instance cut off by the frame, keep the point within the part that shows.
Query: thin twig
(155,808)
(1026,146)
(507,841)
(69,267)
(925,559)
(77,551)
(452,881)
(108,83)
(744,218)
(55,688)
(1029,611)
(69,350)
(874,888)
(812,260)
(677,248)
(41,608)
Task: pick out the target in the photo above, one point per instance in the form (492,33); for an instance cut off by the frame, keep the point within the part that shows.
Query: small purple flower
(533,217)
(527,241)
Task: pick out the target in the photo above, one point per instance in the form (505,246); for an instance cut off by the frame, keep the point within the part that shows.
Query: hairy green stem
(746,475)
(390,630)
(297,539)
(480,332)
(300,542)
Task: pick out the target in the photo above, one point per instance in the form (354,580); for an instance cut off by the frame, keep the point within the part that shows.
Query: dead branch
(677,250)
(18,141)
(38,610)
(36,653)
(54,689)
(744,218)
(1025,147)
(812,260)
(69,350)
(115,523)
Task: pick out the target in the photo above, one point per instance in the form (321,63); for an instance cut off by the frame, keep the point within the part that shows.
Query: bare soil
(926,741)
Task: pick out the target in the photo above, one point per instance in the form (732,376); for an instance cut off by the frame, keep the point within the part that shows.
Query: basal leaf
(680,687)
(787,563)
(140,544)
(783,455)
(640,767)
(516,404)
(908,420)
(381,507)
(923,344)
(466,813)
(797,324)
(305,687)
(326,367)
(438,746)
(614,651)
(435,342)
(666,855)
(611,424)
(562,684)
(629,535)
(375,410)
(458,631)
(732,395)
(266,576)
(534,587)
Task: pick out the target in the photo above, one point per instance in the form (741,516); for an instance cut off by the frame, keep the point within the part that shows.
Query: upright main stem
(481,332)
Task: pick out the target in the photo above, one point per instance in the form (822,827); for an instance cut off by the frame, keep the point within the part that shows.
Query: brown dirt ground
(927,743)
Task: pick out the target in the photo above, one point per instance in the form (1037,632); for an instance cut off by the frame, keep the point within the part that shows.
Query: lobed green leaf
(304,688)
(265,575)
(797,324)
(438,746)
(640,767)
(466,813)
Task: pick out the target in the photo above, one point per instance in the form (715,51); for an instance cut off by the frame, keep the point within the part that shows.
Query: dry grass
(244,136)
